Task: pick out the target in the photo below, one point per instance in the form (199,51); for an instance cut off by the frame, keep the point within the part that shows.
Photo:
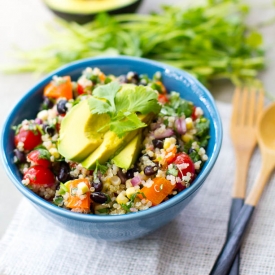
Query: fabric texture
(188,245)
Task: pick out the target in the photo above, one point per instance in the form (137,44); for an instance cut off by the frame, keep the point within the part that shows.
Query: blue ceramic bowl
(119,227)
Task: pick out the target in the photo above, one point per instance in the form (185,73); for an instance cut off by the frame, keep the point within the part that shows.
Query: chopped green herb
(63,189)
(58,200)
(126,207)
(99,167)
(103,211)
(44,154)
(16,128)
(172,171)
(195,156)
(202,127)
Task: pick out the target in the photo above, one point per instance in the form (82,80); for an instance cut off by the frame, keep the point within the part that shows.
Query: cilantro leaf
(123,106)
(140,99)
(99,167)
(108,92)
(44,154)
(98,106)
(129,123)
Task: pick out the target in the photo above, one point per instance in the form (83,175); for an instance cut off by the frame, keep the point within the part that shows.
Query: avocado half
(83,11)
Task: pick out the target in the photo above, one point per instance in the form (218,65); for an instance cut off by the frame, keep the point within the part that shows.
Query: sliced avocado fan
(79,136)
(128,156)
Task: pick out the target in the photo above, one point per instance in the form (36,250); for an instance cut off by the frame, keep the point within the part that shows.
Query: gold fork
(247,105)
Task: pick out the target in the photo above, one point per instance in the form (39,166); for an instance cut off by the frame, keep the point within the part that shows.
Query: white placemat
(189,245)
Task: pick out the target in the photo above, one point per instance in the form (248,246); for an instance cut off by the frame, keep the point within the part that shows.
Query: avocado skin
(85,18)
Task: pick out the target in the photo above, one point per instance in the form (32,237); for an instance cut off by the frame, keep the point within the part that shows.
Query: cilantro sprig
(123,103)
(100,168)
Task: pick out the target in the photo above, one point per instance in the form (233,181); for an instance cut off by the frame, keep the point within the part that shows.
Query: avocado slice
(129,154)
(112,145)
(83,11)
(79,120)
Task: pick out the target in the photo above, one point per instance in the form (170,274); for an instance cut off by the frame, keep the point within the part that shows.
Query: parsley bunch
(210,41)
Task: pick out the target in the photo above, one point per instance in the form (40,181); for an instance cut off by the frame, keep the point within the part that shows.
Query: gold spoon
(266,140)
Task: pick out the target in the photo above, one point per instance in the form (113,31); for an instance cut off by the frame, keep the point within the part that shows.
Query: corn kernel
(168,142)
(130,191)
(82,188)
(115,180)
(128,183)
(54,152)
(121,198)
(189,123)
(186,137)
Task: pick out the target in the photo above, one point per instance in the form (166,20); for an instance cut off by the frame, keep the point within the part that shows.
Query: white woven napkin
(189,245)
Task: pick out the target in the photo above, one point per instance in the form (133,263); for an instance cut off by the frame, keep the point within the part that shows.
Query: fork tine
(252,114)
(235,103)
(244,106)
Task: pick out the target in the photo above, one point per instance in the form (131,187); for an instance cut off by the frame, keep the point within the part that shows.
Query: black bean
(122,176)
(97,185)
(134,78)
(57,186)
(62,171)
(150,170)
(130,173)
(99,197)
(158,143)
(61,107)
(21,156)
(47,104)
(50,130)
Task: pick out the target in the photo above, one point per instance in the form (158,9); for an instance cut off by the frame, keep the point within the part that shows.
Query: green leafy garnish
(107,92)
(123,104)
(63,189)
(103,211)
(177,106)
(202,127)
(44,153)
(58,200)
(210,39)
(172,170)
(194,155)
(99,167)
(16,128)
(127,206)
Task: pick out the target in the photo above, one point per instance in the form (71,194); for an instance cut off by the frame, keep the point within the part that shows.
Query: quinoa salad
(111,145)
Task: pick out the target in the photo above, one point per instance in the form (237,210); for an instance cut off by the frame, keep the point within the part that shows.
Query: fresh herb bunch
(210,41)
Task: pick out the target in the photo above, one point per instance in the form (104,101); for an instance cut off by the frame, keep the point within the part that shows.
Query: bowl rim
(113,218)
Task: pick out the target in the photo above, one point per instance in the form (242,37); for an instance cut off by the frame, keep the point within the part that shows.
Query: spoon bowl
(266,123)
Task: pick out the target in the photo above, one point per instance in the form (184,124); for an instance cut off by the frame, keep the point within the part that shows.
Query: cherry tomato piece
(187,165)
(29,138)
(40,175)
(193,115)
(40,157)
(162,98)
(80,89)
